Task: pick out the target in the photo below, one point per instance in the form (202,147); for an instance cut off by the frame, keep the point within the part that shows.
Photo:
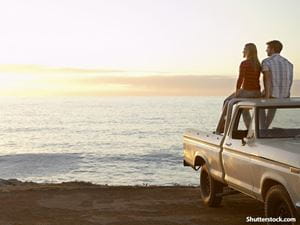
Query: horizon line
(39,68)
(46,69)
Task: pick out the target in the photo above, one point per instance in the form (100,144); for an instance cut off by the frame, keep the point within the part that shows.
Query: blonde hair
(252,55)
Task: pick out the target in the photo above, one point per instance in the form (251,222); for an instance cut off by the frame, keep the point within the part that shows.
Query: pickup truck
(258,154)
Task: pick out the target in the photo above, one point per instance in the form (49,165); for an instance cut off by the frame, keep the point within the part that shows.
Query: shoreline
(83,203)
(16,183)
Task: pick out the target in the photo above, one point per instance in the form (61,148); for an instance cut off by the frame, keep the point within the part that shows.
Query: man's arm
(291,79)
(267,78)
(267,83)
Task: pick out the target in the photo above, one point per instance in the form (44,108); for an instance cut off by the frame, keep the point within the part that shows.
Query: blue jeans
(241,94)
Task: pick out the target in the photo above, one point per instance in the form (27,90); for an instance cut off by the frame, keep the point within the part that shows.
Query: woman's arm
(240,78)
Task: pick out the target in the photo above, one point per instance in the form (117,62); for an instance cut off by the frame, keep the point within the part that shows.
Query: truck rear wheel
(279,204)
(209,188)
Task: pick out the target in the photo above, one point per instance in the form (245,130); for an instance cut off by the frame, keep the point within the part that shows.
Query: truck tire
(209,188)
(279,204)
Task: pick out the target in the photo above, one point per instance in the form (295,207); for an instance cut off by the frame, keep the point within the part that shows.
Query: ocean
(103,140)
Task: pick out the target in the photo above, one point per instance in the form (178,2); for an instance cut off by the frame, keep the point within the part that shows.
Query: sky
(46,47)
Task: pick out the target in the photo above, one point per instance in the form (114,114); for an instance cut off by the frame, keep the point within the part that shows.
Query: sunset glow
(49,44)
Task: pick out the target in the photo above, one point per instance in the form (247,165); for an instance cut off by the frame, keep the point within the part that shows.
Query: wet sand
(78,203)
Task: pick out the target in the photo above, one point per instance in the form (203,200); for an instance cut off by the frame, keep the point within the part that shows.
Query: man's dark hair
(275,45)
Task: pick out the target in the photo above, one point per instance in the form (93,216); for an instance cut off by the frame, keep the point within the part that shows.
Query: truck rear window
(278,122)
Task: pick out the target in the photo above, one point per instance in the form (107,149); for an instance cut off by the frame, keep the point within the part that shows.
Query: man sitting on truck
(277,77)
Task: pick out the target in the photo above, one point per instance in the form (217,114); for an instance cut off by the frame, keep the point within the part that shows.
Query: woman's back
(250,73)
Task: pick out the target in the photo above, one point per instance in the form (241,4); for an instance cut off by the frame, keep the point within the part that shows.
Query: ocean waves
(116,141)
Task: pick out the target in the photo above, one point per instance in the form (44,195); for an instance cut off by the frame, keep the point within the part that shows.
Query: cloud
(38,69)
(168,85)
(164,85)
(42,80)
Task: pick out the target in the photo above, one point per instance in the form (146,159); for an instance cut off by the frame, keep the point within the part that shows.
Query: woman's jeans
(246,116)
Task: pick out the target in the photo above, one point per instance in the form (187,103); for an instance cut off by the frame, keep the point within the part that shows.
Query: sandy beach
(78,203)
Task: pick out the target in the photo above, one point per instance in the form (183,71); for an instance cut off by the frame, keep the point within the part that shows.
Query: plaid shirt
(281,75)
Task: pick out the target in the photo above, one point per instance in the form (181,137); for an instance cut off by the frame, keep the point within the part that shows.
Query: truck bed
(200,147)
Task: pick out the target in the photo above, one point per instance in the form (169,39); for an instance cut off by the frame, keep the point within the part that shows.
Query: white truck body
(254,159)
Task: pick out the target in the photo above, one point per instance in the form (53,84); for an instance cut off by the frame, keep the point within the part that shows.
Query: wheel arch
(267,184)
(199,161)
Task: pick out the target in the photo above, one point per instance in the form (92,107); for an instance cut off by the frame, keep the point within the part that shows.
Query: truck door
(236,155)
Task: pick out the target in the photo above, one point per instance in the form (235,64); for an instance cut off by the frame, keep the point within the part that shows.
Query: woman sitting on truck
(247,85)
